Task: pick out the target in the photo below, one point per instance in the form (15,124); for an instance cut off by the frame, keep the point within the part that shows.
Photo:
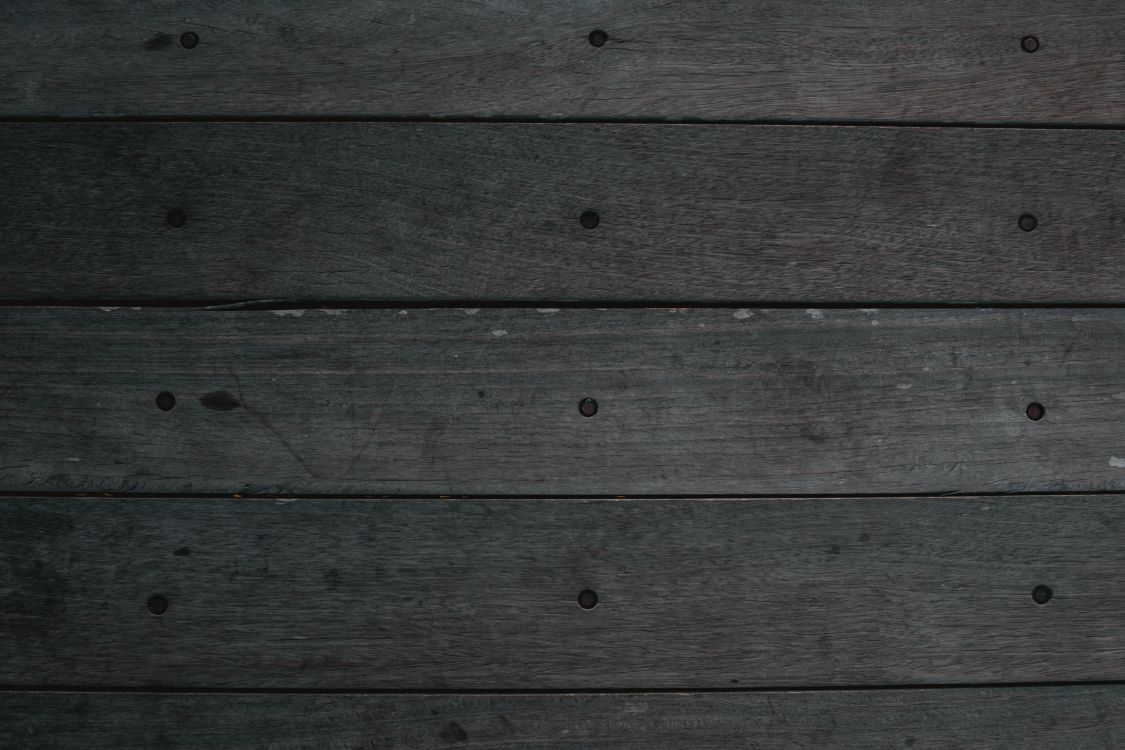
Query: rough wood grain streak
(482,594)
(1089,718)
(689,213)
(838,59)
(466,401)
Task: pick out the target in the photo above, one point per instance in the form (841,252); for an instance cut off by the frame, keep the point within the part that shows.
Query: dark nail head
(176,218)
(165,401)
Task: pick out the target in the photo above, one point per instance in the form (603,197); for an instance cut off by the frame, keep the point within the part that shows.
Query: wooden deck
(564,375)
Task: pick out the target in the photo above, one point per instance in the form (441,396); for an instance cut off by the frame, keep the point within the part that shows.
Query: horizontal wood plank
(1090,718)
(484,594)
(490,401)
(373,212)
(923,60)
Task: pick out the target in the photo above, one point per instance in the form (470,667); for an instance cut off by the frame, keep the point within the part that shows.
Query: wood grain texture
(482,594)
(689,213)
(486,401)
(836,59)
(1089,718)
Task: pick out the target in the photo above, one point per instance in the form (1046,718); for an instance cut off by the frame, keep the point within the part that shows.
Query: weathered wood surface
(406,212)
(837,59)
(1067,718)
(482,594)
(487,401)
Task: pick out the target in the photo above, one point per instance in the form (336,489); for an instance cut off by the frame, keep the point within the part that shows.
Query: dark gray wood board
(483,594)
(1050,718)
(487,401)
(919,60)
(315,212)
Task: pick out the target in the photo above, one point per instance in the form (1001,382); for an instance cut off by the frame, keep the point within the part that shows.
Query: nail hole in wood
(587,407)
(589,220)
(176,218)
(1035,411)
(1029,44)
(587,599)
(1042,594)
(1028,223)
(189,40)
(598,37)
(157,604)
(165,401)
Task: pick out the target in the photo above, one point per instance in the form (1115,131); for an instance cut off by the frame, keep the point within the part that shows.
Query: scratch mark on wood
(264,420)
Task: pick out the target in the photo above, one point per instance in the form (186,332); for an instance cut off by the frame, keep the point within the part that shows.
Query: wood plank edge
(1087,716)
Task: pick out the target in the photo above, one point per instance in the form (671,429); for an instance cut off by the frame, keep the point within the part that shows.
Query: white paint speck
(815,314)
(499,332)
(742,314)
(286,500)
(547,309)
(472,310)
(403,312)
(869,311)
(288,313)
(874,322)
(329,311)
(74,458)
(107,309)
(1117,463)
(904,386)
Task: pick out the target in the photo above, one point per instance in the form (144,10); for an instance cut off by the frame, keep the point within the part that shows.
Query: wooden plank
(828,59)
(484,594)
(1048,718)
(404,212)
(489,401)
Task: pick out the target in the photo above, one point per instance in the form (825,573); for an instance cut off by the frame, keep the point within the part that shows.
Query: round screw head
(587,599)
(189,40)
(1028,223)
(1029,44)
(1036,411)
(587,407)
(598,37)
(1042,594)
(176,218)
(589,220)
(157,604)
(165,401)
